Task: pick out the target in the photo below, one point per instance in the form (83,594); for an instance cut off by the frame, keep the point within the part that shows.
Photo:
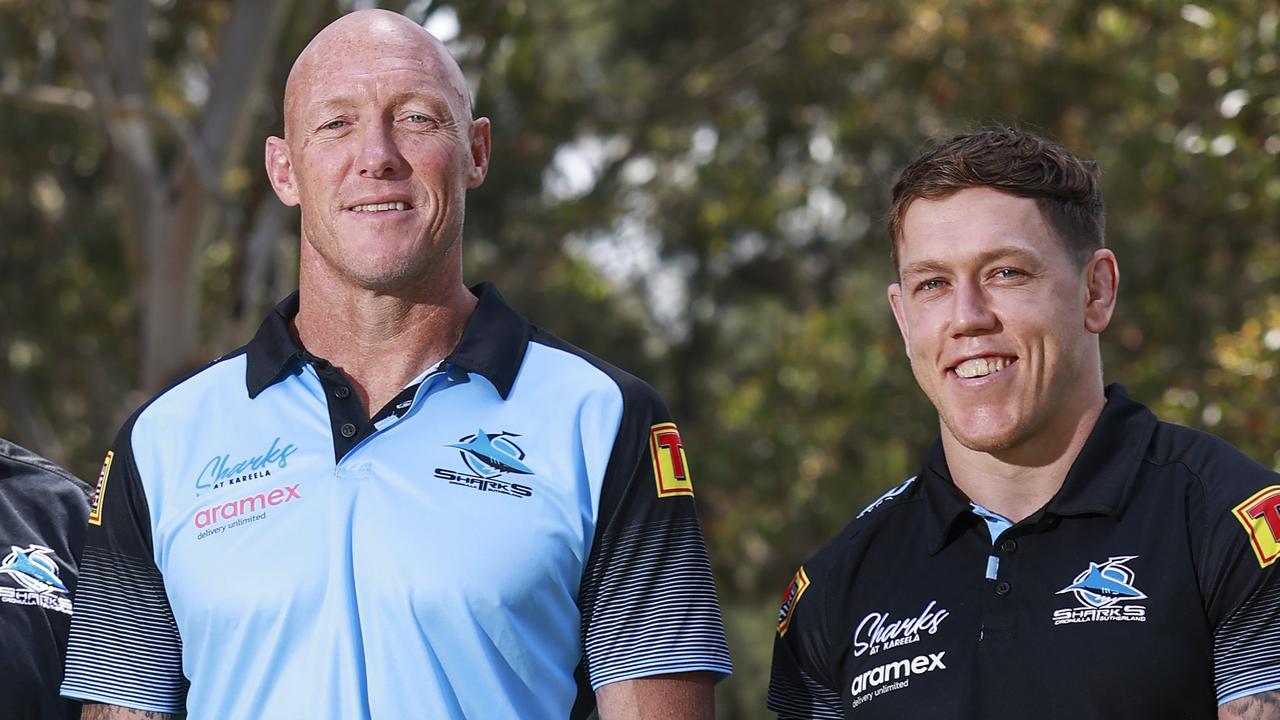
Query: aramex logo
(900,670)
(252,503)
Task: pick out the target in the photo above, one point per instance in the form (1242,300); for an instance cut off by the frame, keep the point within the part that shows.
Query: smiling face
(380,150)
(1000,323)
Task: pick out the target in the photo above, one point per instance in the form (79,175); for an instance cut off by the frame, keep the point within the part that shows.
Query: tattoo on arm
(1262,706)
(95,711)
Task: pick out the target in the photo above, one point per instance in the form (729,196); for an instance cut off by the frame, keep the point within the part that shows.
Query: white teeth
(375,207)
(978,367)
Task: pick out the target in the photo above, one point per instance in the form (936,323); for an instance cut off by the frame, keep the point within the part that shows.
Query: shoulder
(174,408)
(842,554)
(578,370)
(1223,473)
(35,473)
(821,586)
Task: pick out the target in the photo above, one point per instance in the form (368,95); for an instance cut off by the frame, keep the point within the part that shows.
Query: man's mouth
(982,366)
(380,207)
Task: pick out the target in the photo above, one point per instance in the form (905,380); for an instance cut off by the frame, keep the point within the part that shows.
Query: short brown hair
(1065,187)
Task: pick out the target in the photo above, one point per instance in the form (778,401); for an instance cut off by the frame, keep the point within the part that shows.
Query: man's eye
(334,125)
(417,118)
(932,284)
(1007,273)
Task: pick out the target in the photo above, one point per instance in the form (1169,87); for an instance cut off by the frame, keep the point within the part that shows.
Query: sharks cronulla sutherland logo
(1105,592)
(33,568)
(491,455)
(490,458)
(35,572)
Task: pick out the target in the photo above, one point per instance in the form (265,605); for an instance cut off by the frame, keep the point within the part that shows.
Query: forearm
(682,696)
(1262,706)
(97,711)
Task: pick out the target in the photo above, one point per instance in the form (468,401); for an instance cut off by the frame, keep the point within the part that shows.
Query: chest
(1081,618)
(456,505)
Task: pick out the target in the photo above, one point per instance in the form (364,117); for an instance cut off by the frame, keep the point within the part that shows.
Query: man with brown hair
(1061,553)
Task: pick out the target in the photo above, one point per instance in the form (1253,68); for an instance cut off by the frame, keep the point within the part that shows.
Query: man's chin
(986,436)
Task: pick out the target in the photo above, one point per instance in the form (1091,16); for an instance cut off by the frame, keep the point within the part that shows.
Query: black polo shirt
(1144,589)
(42,523)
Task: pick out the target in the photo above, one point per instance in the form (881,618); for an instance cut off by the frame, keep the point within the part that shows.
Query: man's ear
(1102,283)
(479,153)
(280,171)
(899,314)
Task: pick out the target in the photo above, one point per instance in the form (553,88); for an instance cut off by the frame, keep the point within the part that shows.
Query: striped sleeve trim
(124,647)
(1246,657)
(803,700)
(649,605)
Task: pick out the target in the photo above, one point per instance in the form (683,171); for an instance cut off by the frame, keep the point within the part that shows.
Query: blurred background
(694,190)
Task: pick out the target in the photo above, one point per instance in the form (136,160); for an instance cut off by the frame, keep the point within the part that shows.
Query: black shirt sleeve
(800,684)
(648,599)
(1238,548)
(124,648)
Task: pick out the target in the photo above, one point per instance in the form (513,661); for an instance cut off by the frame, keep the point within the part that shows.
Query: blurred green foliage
(695,192)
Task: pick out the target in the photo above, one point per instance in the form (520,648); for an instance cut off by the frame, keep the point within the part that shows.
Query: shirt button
(348,430)
(1003,588)
(341,392)
(1009,545)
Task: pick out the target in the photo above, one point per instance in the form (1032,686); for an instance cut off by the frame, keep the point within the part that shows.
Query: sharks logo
(1100,590)
(36,573)
(33,568)
(1105,584)
(489,457)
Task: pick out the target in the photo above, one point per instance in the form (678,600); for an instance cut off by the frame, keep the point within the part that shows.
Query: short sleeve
(1238,575)
(124,647)
(799,684)
(647,598)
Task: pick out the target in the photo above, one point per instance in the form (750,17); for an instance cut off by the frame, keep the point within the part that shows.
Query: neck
(1018,481)
(380,341)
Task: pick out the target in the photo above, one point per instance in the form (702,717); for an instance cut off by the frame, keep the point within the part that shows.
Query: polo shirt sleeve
(124,647)
(647,598)
(1239,580)
(800,684)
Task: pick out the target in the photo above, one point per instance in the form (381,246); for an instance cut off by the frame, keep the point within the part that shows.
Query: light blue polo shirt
(513,531)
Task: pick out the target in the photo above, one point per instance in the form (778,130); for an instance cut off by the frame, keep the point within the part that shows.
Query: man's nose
(972,312)
(379,156)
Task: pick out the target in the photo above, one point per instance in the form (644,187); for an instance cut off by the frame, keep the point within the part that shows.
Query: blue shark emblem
(33,568)
(1105,584)
(492,454)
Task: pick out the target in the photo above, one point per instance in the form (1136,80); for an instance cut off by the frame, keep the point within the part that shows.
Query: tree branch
(129,46)
(48,97)
(135,165)
(250,35)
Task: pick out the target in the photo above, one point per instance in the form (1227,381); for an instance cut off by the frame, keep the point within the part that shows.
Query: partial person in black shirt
(1061,553)
(43,512)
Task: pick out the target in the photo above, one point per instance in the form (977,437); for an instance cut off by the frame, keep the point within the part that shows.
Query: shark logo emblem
(1100,589)
(1105,584)
(490,455)
(33,568)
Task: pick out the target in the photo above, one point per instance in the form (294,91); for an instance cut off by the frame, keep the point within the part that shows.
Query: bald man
(400,499)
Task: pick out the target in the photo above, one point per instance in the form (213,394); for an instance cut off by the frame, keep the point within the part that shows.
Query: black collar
(1098,482)
(492,345)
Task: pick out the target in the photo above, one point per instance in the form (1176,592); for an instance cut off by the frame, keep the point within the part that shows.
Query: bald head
(369,41)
